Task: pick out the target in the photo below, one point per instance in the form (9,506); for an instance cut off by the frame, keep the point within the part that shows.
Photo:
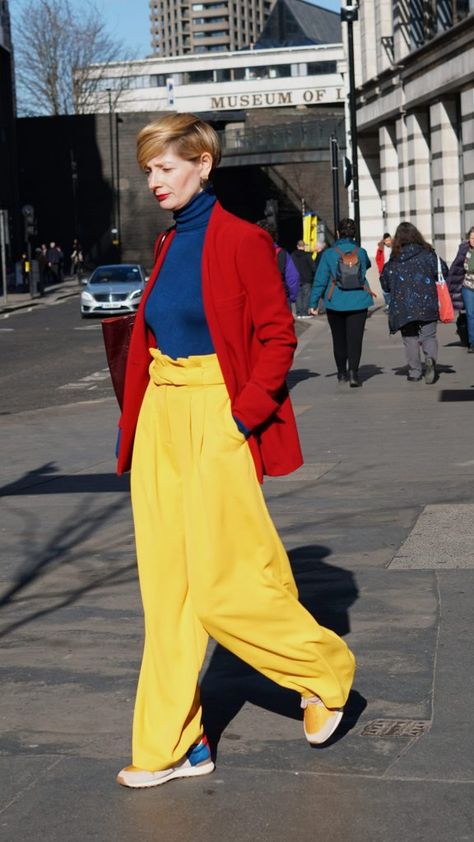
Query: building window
(315,68)
(197,77)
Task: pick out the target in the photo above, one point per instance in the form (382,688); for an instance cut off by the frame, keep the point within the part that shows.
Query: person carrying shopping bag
(461,287)
(410,277)
(206,414)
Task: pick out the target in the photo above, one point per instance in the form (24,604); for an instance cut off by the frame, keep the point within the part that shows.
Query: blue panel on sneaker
(199,753)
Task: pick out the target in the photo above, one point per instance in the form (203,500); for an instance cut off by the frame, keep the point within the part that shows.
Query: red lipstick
(161,196)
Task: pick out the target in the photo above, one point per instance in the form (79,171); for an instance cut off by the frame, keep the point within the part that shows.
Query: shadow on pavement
(47,480)
(64,549)
(327,592)
(366,372)
(297,375)
(456,395)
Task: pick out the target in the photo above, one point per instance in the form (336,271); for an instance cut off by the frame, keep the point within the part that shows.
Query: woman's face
(471,239)
(175,181)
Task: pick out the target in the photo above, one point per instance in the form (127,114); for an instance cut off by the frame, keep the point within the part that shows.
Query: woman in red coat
(206,413)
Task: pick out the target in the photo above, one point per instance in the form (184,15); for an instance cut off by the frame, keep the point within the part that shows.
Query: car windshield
(116,275)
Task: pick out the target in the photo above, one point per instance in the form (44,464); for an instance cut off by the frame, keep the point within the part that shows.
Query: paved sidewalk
(56,292)
(378,524)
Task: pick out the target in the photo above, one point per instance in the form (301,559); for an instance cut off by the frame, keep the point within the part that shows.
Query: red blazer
(253,335)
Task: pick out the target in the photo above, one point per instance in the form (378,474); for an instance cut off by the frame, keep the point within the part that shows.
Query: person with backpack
(461,288)
(410,276)
(341,281)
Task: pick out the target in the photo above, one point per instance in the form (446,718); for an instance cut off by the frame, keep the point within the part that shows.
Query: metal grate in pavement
(396,728)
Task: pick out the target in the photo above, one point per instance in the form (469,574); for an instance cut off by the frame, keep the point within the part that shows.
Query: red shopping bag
(445,305)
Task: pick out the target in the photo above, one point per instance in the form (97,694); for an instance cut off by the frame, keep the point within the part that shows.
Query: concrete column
(402,149)
(445,177)
(389,187)
(467,134)
(368,41)
(383,28)
(419,172)
(371,217)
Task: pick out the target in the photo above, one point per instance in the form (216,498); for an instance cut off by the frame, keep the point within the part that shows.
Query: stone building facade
(415,117)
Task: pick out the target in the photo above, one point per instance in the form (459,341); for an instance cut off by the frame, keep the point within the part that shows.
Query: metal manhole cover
(396,728)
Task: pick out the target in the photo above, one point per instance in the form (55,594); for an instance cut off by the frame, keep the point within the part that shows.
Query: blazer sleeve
(274,329)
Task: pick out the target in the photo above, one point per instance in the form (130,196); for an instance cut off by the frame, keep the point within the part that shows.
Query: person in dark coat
(410,277)
(42,258)
(462,296)
(305,265)
(288,271)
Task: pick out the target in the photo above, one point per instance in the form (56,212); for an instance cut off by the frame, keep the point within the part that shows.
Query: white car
(113,289)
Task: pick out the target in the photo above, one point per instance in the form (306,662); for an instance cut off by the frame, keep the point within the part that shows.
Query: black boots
(354,381)
(352,378)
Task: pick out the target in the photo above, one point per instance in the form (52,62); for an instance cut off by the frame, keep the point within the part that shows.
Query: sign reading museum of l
(187,98)
(252,79)
(267,99)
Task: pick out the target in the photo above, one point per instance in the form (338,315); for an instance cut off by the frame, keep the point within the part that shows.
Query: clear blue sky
(128,20)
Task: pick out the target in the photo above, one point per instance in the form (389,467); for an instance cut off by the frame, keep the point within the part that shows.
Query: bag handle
(441,279)
(160,241)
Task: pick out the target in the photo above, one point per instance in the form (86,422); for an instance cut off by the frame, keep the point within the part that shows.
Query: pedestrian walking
(341,281)
(42,258)
(206,413)
(305,267)
(382,256)
(410,277)
(25,265)
(77,259)
(461,287)
(54,255)
(288,271)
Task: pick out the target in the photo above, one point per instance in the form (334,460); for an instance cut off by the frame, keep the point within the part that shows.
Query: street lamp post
(113,227)
(349,14)
(335,180)
(118,120)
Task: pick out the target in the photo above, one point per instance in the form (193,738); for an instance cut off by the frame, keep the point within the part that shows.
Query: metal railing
(285,137)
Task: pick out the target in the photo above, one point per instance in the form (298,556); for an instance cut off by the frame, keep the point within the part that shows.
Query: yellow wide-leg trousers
(210,562)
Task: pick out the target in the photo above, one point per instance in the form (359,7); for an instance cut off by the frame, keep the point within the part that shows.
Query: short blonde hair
(187,134)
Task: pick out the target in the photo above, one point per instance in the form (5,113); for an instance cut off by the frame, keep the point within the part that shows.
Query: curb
(52,296)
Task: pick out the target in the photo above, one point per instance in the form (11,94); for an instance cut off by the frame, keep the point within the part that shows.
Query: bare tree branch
(54,45)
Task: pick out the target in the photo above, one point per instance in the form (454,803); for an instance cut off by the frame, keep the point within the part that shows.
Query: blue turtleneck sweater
(175,310)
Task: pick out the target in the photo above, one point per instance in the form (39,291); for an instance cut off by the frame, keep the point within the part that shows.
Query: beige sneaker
(197,761)
(320,722)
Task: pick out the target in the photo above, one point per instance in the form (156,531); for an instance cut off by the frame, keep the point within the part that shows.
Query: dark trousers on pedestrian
(347,330)
(302,301)
(416,335)
(468,299)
